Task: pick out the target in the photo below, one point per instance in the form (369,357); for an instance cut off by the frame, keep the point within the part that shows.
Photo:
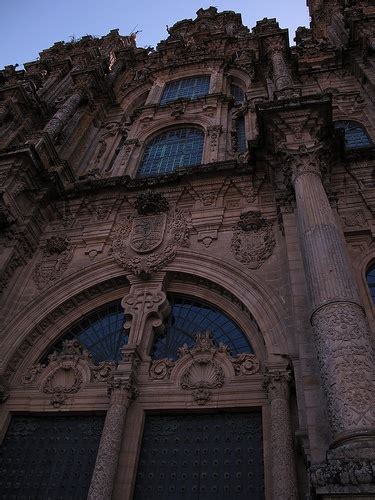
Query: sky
(29,26)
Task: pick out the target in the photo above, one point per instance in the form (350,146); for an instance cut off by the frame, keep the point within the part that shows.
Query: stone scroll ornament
(253,240)
(146,242)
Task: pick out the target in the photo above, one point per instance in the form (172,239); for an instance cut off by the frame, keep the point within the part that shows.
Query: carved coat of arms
(147,232)
(145,242)
(253,240)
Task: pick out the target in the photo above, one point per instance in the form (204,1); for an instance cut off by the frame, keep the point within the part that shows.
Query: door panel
(49,457)
(210,456)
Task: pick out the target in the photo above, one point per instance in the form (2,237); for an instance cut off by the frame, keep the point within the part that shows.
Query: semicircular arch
(45,317)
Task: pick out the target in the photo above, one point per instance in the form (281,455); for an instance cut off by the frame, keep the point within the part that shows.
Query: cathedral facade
(187,263)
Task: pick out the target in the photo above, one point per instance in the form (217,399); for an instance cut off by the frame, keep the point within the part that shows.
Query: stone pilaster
(283,467)
(339,324)
(122,391)
(62,116)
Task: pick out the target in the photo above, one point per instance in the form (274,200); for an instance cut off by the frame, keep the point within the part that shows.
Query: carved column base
(349,478)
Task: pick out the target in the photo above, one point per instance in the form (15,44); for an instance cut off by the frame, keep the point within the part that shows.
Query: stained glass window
(100,332)
(370,276)
(355,134)
(241,135)
(170,150)
(237,93)
(186,88)
(190,316)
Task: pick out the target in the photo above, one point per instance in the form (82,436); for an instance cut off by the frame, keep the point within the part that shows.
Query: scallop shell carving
(203,374)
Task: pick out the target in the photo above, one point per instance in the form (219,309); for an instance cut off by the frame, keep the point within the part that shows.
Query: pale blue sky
(29,26)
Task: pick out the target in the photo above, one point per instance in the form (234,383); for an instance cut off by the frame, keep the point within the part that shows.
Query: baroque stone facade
(219,187)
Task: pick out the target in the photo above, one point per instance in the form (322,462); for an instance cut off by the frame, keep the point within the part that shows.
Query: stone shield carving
(147,232)
(57,254)
(146,242)
(253,240)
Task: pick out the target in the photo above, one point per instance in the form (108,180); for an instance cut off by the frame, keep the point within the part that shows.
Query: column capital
(274,44)
(304,161)
(277,383)
(122,391)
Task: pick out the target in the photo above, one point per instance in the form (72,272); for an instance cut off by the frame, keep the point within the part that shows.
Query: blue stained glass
(186,88)
(241,135)
(237,93)
(191,316)
(170,150)
(355,134)
(370,276)
(100,332)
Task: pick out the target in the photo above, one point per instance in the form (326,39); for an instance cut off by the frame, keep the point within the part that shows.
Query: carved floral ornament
(253,240)
(204,367)
(67,371)
(145,242)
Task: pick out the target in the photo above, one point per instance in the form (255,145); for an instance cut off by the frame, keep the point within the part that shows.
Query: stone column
(67,110)
(338,320)
(122,391)
(284,483)
(281,74)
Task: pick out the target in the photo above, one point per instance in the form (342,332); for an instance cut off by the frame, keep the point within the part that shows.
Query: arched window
(237,93)
(100,332)
(355,134)
(186,88)
(191,316)
(370,277)
(170,150)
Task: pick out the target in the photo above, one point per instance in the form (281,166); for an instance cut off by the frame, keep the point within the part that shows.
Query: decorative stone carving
(66,371)
(208,198)
(146,242)
(355,219)
(161,369)
(202,376)
(140,304)
(214,134)
(343,348)
(204,372)
(127,150)
(57,254)
(245,364)
(150,203)
(253,240)
(336,475)
(110,130)
(32,373)
(66,379)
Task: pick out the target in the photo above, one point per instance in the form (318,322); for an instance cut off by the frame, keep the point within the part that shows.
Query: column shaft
(283,466)
(62,116)
(282,78)
(109,449)
(339,324)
